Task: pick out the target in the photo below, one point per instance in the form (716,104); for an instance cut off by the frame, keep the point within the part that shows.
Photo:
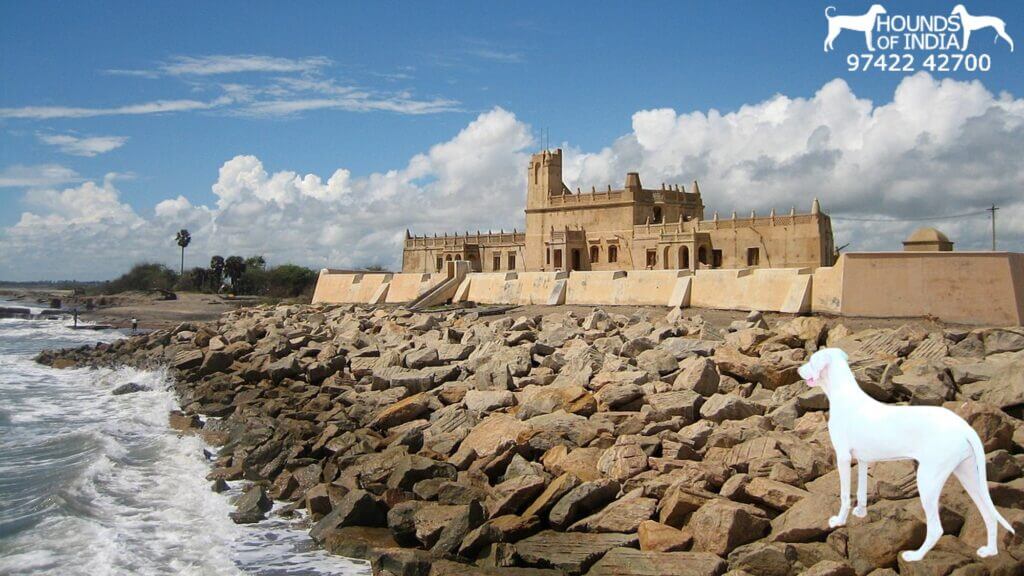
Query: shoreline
(450,444)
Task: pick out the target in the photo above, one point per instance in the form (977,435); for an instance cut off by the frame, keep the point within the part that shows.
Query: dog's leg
(862,490)
(843,464)
(967,473)
(867,38)
(931,477)
(967,39)
(832,33)
(1001,31)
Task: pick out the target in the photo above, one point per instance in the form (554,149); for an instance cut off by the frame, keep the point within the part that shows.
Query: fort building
(629,228)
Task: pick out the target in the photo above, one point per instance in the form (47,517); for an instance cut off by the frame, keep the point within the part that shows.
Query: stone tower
(545,178)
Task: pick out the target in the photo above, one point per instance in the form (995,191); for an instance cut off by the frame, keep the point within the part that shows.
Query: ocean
(92,483)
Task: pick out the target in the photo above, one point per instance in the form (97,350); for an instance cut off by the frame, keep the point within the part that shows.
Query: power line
(926,218)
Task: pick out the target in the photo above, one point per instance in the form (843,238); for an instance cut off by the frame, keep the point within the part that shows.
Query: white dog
(864,23)
(870,431)
(972,23)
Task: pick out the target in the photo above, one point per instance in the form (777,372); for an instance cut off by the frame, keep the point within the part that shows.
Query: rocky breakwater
(566,444)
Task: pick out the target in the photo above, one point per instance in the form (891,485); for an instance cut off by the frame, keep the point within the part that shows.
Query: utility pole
(993,211)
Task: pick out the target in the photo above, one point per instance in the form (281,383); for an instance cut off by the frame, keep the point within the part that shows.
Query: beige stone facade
(631,228)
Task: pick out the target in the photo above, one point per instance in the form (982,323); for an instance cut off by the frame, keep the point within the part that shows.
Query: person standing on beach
(135,325)
(75,313)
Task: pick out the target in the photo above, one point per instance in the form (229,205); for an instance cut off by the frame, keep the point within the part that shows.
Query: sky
(318,133)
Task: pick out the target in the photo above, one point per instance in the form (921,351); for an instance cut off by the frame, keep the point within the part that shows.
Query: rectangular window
(547,259)
(497,261)
(558,258)
(753,256)
(716,258)
(652,258)
(511,260)
(613,254)
(440,263)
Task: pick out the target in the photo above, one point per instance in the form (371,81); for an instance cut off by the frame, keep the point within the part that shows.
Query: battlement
(501,238)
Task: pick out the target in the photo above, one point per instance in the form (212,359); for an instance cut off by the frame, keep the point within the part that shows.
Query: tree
(234,267)
(183,239)
(216,271)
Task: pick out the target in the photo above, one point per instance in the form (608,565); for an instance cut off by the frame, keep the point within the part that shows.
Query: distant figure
(135,325)
(75,312)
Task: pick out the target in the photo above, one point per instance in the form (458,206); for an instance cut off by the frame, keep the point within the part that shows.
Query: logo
(911,42)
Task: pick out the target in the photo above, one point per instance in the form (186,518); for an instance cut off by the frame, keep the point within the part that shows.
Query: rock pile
(605,444)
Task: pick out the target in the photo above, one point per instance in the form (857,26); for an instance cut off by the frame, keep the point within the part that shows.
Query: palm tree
(234,267)
(217,271)
(184,239)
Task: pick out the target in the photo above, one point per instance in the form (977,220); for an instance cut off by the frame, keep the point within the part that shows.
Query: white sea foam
(97,484)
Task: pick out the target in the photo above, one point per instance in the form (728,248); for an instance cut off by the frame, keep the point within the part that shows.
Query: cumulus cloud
(83,146)
(475,180)
(938,148)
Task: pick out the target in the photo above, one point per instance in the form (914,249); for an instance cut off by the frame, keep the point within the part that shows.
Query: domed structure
(927,240)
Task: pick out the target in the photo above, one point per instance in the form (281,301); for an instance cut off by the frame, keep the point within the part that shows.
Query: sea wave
(94,483)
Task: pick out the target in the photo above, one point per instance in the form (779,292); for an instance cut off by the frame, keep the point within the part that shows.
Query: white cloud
(83,146)
(155,107)
(21,176)
(215,64)
(940,147)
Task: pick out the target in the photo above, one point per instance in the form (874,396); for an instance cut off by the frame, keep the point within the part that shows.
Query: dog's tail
(827,15)
(979,460)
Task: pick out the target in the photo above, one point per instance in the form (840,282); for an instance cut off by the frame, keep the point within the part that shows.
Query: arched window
(684,257)
(448,258)
(595,254)
(613,254)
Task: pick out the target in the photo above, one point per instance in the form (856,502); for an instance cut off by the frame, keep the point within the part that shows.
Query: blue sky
(366,87)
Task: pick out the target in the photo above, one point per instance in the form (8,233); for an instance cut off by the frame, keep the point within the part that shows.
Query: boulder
(721,525)
(581,501)
(685,403)
(401,412)
(657,537)
(129,388)
(572,553)
(554,492)
(488,400)
(700,376)
(620,561)
(252,506)
(622,462)
(621,516)
(805,521)
(514,494)
(357,508)
(722,407)
(876,541)
(764,559)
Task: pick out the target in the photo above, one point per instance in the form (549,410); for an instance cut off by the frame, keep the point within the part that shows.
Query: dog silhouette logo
(971,23)
(861,23)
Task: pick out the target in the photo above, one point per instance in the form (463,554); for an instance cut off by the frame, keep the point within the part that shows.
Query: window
(657,215)
(702,255)
(448,258)
(684,257)
(753,256)
(595,254)
(548,259)
(440,263)
(497,261)
(652,258)
(613,254)
(511,260)
(558,258)
(716,258)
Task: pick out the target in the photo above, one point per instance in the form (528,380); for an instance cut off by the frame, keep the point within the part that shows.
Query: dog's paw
(911,555)
(836,522)
(860,511)
(986,551)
